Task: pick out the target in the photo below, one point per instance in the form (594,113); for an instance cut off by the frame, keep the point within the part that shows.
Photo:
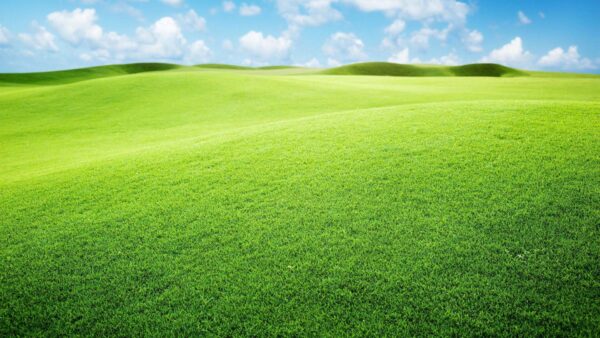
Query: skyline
(61,34)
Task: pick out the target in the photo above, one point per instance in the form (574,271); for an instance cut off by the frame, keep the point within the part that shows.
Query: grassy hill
(82,74)
(232,202)
(395,69)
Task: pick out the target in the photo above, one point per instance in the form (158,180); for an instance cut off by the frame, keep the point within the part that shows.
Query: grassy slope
(394,69)
(76,75)
(229,203)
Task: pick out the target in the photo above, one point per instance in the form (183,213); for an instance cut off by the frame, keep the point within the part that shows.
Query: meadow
(164,200)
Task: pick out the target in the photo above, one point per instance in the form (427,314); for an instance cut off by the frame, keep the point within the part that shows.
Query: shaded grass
(394,69)
(75,75)
(300,205)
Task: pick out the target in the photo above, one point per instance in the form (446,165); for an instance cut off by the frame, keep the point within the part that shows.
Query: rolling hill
(82,74)
(201,201)
(395,69)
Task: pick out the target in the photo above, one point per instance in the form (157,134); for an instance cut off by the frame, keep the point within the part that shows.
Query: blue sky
(41,35)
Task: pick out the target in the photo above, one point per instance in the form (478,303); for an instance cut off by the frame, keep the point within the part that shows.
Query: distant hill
(82,74)
(395,69)
(367,68)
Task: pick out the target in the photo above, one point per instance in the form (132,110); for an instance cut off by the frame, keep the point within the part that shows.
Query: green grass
(229,202)
(394,69)
(76,75)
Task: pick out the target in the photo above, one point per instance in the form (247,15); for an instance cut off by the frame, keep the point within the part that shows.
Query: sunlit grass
(223,202)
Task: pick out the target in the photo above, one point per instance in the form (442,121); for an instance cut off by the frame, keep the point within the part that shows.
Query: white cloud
(523,19)
(162,40)
(100,54)
(122,7)
(302,13)
(228,6)
(265,47)
(4,35)
(420,39)
(121,47)
(402,56)
(317,12)
(569,59)
(312,63)
(345,46)
(198,52)
(41,39)
(442,10)
(192,21)
(396,27)
(473,40)
(447,60)
(249,10)
(299,13)
(510,54)
(174,3)
(76,26)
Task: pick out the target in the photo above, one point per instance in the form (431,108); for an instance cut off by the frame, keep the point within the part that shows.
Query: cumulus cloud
(265,47)
(420,39)
(512,54)
(162,40)
(345,46)
(523,19)
(174,3)
(396,27)
(100,54)
(76,26)
(316,12)
(299,13)
(4,35)
(312,63)
(192,21)
(249,10)
(198,52)
(228,6)
(403,56)
(447,60)
(439,20)
(566,59)
(473,40)
(442,10)
(40,39)
(123,7)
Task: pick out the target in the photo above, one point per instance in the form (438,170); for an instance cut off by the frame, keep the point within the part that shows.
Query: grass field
(191,201)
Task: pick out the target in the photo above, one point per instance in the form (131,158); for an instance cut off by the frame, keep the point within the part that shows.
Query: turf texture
(199,201)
